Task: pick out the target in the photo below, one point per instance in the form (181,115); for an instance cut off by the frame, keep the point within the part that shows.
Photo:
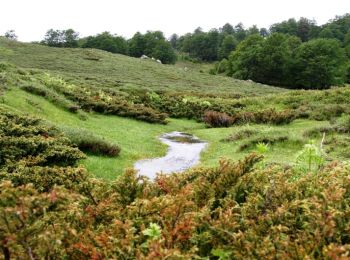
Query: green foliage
(90,143)
(153,232)
(152,44)
(283,60)
(107,42)
(310,159)
(228,45)
(320,64)
(25,141)
(262,148)
(101,70)
(221,254)
(61,38)
(244,61)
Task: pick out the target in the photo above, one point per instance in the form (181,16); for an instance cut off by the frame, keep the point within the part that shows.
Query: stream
(183,153)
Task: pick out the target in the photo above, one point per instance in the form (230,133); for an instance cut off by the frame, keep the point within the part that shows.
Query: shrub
(217,119)
(28,142)
(90,143)
(241,135)
(267,140)
(52,96)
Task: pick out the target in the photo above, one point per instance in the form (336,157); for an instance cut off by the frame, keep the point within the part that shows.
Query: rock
(159,61)
(144,57)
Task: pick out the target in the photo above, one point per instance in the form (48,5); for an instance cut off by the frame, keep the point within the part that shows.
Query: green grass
(280,152)
(138,140)
(123,72)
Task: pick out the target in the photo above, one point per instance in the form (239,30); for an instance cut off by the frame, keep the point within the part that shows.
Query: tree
(137,45)
(152,44)
(264,32)
(228,45)
(275,59)
(108,42)
(305,28)
(164,52)
(70,38)
(320,63)
(61,38)
(287,27)
(227,29)
(53,38)
(244,62)
(253,30)
(174,38)
(240,33)
(11,35)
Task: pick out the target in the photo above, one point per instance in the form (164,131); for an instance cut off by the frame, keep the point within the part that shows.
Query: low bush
(246,133)
(217,119)
(269,116)
(26,141)
(52,96)
(262,139)
(90,143)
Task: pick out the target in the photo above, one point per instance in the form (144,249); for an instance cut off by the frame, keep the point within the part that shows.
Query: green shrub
(241,135)
(267,140)
(90,143)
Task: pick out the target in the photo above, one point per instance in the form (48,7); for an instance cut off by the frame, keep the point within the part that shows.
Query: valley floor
(138,140)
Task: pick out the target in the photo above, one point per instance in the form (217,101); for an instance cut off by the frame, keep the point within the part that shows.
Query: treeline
(292,53)
(284,60)
(152,44)
(219,43)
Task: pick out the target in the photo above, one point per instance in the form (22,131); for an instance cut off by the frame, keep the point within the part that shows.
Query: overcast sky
(32,18)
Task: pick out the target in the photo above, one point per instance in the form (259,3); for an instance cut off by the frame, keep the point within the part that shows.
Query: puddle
(183,153)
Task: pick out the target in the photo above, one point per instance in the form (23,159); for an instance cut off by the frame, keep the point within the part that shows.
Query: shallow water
(183,153)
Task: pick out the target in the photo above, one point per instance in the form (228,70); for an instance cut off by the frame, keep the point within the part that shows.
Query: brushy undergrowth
(90,143)
(236,209)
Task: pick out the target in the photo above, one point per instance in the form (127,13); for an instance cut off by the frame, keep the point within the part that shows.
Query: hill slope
(102,69)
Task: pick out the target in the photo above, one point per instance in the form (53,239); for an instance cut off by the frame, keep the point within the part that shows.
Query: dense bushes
(100,101)
(233,210)
(25,141)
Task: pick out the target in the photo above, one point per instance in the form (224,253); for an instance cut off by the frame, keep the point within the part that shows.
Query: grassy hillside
(102,69)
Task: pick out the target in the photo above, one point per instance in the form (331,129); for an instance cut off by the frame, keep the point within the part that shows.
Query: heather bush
(267,140)
(26,141)
(90,143)
(217,119)
(246,133)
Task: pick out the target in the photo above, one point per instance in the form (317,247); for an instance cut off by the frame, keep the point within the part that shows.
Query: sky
(32,18)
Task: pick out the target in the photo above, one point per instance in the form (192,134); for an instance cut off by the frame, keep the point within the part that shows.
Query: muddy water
(183,153)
